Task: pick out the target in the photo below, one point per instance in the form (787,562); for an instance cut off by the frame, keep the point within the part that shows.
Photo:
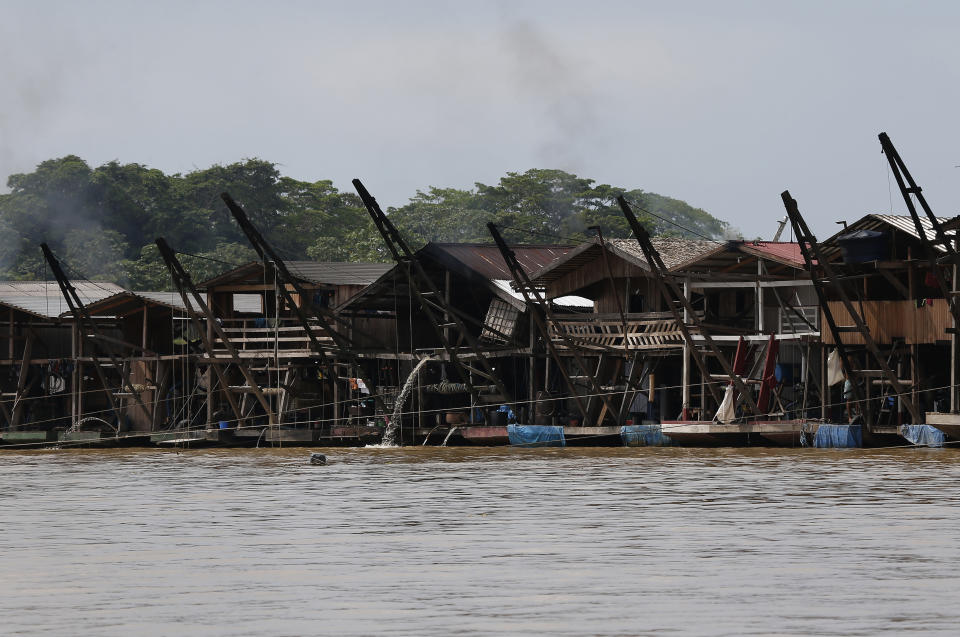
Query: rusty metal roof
(733,255)
(782,251)
(485,258)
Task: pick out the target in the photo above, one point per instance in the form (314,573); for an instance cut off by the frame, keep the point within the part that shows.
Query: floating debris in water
(318,458)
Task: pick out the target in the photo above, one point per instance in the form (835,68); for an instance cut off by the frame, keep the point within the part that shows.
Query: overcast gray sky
(722,104)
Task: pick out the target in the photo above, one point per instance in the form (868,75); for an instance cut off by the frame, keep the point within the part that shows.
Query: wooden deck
(762,433)
(949,424)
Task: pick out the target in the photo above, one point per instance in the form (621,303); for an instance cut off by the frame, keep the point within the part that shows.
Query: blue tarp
(923,435)
(536,436)
(643,436)
(838,436)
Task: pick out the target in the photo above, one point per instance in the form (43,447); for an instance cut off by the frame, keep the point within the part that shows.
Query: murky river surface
(433,541)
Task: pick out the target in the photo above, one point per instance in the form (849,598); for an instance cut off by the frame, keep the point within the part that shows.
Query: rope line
(615,392)
(672,223)
(439,410)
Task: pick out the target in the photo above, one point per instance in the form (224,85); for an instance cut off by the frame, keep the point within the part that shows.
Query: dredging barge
(640,341)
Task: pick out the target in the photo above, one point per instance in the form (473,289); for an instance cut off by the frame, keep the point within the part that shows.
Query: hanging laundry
(727,412)
(834,368)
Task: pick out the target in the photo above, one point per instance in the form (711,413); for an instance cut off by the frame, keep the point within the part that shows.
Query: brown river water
(431,541)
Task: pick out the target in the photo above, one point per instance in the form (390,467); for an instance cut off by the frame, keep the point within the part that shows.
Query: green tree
(254,183)
(535,206)
(102,221)
(321,222)
(676,218)
(442,215)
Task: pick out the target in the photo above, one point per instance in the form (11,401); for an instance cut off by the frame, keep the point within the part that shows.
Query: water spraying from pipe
(449,433)
(390,433)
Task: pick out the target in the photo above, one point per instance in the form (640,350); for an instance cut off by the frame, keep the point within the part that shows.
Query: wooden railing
(260,338)
(798,320)
(647,331)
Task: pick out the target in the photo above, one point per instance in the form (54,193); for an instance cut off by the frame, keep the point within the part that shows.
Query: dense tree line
(102,221)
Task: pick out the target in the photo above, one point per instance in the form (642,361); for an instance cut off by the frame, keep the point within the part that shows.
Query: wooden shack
(886,270)
(476,285)
(152,344)
(740,291)
(39,376)
(274,347)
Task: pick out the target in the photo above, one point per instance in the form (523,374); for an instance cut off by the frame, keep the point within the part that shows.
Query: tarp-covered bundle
(643,436)
(536,436)
(838,437)
(923,435)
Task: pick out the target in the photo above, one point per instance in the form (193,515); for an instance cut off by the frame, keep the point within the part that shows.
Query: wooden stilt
(18,402)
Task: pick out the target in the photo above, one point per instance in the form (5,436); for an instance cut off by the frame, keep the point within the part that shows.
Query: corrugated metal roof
(318,272)
(170,299)
(43,298)
(486,260)
(738,258)
(239,272)
(783,251)
(480,262)
(126,302)
(902,223)
(337,273)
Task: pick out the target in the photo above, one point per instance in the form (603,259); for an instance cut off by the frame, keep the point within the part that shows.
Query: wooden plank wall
(894,319)
(591,273)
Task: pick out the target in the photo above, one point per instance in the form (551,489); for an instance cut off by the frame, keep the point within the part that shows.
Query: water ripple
(434,541)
